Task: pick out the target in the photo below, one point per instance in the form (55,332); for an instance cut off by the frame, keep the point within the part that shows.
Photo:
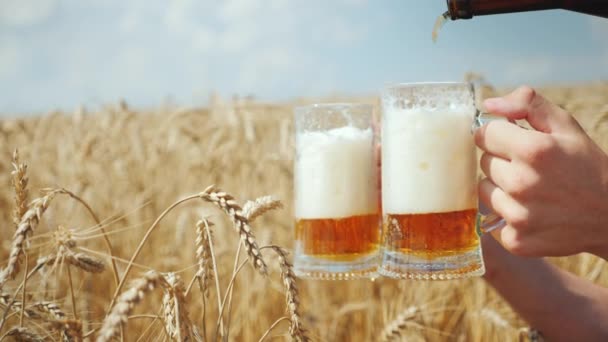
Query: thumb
(525,103)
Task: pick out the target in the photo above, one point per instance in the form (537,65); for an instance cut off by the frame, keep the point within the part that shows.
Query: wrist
(495,258)
(599,240)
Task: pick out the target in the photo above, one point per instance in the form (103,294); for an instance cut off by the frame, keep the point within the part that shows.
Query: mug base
(398,265)
(311,267)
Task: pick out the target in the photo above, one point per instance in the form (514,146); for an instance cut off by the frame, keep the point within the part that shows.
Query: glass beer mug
(338,223)
(431,222)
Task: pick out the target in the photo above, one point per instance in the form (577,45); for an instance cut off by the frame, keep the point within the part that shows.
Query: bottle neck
(467,9)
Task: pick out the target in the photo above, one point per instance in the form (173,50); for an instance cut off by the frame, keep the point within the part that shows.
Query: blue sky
(62,53)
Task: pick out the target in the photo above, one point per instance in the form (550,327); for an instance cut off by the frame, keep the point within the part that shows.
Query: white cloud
(21,13)
(234,11)
(266,69)
(265,38)
(144,49)
(203,39)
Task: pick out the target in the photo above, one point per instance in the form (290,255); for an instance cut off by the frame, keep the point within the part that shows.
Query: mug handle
(487,220)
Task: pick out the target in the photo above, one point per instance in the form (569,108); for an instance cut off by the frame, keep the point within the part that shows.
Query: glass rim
(330,105)
(401,85)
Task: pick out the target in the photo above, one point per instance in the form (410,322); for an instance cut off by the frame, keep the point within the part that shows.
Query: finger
(525,103)
(501,138)
(509,238)
(495,198)
(495,168)
(523,244)
(496,234)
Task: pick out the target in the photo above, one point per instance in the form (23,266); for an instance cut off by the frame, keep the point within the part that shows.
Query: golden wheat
(394,329)
(227,203)
(71,329)
(292,296)
(19,181)
(26,227)
(260,206)
(126,302)
(177,319)
(203,256)
(80,260)
(131,165)
(21,334)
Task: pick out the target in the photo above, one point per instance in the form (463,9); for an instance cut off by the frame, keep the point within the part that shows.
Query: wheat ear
(80,260)
(30,220)
(227,203)
(51,308)
(5,300)
(71,329)
(393,330)
(292,295)
(19,180)
(254,209)
(125,304)
(203,256)
(176,317)
(22,334)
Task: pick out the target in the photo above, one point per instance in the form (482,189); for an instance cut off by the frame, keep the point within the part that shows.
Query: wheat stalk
(393,330)
(19,180)
(30,220)
(176,317)
(227,203)
(125,304)
(254,209)
(494,317)
(101,227)
(292,295)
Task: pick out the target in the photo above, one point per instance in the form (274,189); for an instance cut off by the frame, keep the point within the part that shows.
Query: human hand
(550,184)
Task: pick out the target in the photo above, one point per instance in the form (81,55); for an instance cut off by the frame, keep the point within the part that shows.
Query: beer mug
(431,221)
(336,189)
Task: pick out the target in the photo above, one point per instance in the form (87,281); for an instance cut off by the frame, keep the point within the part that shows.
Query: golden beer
(337,214)
(429,182)
(432,235)
(343,239)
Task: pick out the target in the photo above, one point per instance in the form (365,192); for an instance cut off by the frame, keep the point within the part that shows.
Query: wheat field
(108,177)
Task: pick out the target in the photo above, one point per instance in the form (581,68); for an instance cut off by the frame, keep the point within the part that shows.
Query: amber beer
(433,235)
(342,239)
(337,216)
(429,182)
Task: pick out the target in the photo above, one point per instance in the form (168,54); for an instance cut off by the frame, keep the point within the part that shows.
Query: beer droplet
(441,20)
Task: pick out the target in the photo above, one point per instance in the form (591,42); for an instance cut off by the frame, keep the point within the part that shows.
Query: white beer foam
(429,162)
(335,174)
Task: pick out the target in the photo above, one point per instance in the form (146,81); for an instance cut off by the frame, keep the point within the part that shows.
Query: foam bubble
(335,173)
(429,162)
(446,97)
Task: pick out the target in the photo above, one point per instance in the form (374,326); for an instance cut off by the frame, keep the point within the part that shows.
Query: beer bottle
(467,9)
